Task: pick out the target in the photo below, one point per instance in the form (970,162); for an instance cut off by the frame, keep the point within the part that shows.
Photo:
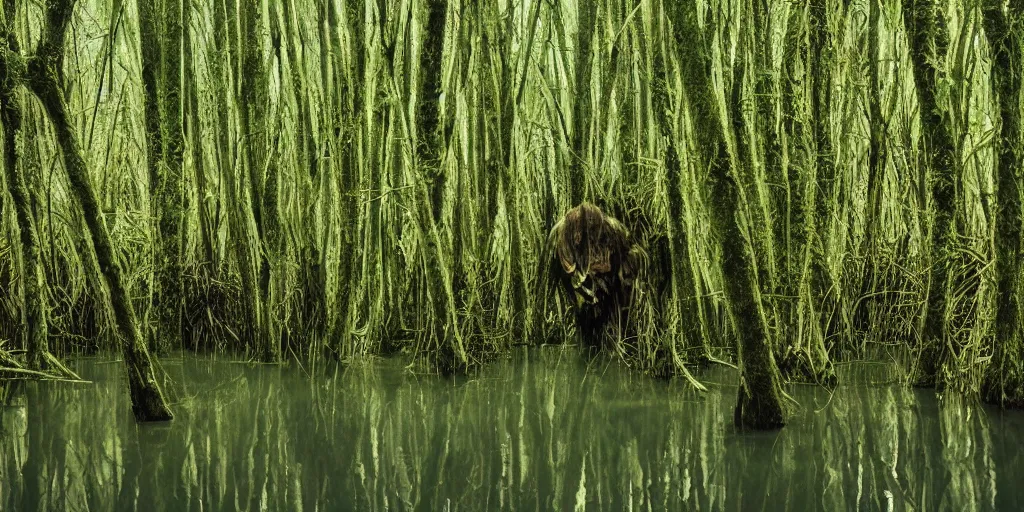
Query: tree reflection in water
(547,430)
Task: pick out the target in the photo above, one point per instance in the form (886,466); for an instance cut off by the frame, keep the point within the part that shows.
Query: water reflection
(545,430)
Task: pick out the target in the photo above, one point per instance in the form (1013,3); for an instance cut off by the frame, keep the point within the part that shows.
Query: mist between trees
(813,181)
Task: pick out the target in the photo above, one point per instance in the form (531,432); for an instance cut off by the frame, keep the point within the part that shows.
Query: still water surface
(545,430)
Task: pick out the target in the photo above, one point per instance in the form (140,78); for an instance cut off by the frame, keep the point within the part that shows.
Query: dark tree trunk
(304,123)
(310,269)
(928,38)
(346,107)
(682,281)
(807,359)
(149,45)
(34,296)
(262,170)
(166,193)
(821,48)
(429,147)
(429,150)
(864,315)
(207,225)
(500,165)
(45,76)
(1004,381)
(759,404)
(239,215)
(580,156)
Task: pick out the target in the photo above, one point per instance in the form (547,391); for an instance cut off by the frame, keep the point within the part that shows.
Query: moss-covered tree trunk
(295,49)
(34,296)
(1004,381)
(262,172)
(430,140)
(759,403)
(684,293)
(430,146)
(149,37)
(169,299)
(581,108)
(45,75)
(928,37)
(275,254)
(498,47)
(772,198)
(161,62)
(807,357)
(243,234)
(204,192)
(310,275)
(795,359)
(346,107)
(876,163)
(822,50)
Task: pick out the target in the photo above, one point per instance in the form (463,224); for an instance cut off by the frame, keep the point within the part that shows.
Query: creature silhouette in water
(597,263)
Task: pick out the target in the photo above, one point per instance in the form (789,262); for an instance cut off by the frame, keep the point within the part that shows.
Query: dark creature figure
(598,263)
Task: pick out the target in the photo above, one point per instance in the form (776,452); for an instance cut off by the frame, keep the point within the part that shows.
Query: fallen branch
(65,372)
(25,371)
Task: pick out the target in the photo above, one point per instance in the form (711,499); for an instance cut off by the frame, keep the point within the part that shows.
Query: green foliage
(367,177)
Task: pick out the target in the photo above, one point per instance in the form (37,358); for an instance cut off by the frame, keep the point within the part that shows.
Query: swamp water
(547,429)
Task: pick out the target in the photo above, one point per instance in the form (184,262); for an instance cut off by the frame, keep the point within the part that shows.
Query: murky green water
(543,431)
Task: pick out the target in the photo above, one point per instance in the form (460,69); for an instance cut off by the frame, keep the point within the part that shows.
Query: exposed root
(685,372)
(798,364)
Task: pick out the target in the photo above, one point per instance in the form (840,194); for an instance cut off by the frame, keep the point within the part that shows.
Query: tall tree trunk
(765,143)
(262,169)
(430,139)
(820,73)
(45,77)
(581,111)
(503,63)
(344,114)
(167,190)
(355,157)
(430,147)
(1004,381)
(807,358)
(864,316)
(34,296)
(149,45)
(190,85)
(243,236)
(274,273)
(682,280)
(759,404)
(308,231)
(928,39)
(294,47)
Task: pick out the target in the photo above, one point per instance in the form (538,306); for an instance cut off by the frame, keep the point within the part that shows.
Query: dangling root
(678,362)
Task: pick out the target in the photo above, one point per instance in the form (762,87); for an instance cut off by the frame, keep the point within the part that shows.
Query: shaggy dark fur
(597,262)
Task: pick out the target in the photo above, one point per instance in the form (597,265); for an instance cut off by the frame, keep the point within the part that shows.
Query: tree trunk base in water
(926,371)
(450,363)
(757,411)
(147,401)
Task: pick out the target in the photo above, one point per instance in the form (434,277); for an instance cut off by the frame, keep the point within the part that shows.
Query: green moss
(148,403)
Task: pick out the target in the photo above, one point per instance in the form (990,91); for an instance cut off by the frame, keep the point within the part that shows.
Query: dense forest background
(337,178)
